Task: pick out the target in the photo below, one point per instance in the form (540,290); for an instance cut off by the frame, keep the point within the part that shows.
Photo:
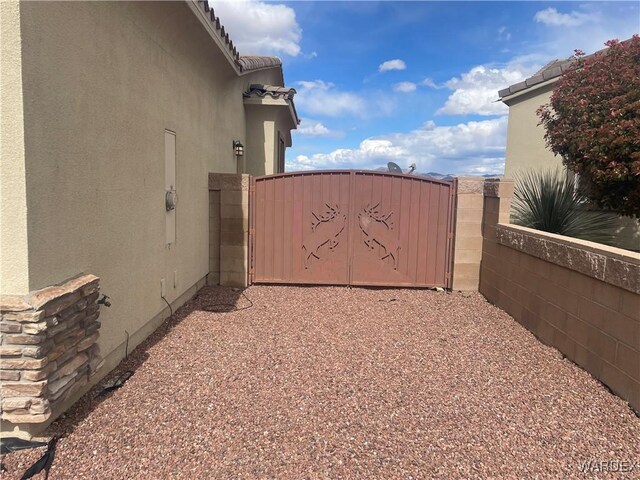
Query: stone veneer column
(48,348)
(232,253)
(468,233)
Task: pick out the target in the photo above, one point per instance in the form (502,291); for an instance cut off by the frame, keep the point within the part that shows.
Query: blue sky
(413,82)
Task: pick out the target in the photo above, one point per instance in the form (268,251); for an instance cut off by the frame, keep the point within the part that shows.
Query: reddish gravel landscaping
(343,383)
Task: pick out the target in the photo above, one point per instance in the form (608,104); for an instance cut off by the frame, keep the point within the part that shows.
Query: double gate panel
(351,228)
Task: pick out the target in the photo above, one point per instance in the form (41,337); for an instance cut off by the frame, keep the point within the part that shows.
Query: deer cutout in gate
(325,231)
(377,228)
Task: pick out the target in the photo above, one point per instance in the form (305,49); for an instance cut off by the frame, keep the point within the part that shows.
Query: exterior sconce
(170,199)
(238,148)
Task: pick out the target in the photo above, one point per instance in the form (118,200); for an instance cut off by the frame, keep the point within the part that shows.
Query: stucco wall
(102,82)
(525,138)
(261,140)
(14,273)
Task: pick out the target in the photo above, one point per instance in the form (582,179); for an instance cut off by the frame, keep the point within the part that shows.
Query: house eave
(269,100)
(514,97)
(201,15)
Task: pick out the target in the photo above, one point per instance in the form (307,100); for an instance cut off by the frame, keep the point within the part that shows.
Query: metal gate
(351,228)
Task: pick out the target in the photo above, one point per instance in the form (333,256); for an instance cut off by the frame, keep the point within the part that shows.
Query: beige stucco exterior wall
(102,82)
(261,135)
(526,148)
(14,271)
(265,125)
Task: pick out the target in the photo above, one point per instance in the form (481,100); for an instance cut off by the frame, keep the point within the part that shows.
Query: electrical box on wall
(171,195)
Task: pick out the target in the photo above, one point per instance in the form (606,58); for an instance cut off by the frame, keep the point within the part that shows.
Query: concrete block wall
(213,278)
(468,233)
(580,297)
(229,229)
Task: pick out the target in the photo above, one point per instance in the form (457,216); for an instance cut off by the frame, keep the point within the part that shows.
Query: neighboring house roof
(242,63)
(258,93)
(549,72)
(250,63)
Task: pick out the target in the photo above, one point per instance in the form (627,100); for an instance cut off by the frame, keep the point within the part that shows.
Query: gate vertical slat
(442,195)
(351,218)
(414,209)
(423,247)
(287,238)
(252,229)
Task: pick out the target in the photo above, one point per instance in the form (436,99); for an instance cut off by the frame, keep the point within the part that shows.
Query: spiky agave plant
(549,200)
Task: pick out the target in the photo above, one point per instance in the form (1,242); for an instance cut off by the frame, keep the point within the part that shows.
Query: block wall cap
(612,265)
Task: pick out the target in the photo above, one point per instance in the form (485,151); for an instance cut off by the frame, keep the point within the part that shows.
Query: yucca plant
(549,200)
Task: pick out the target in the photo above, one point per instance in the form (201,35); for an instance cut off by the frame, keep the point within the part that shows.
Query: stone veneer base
(48,348)
(111,361)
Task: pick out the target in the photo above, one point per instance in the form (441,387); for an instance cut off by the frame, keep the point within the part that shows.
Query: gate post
(229,229)
(467,250)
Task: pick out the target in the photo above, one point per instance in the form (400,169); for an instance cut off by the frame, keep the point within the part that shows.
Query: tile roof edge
(242,63)
(553,69)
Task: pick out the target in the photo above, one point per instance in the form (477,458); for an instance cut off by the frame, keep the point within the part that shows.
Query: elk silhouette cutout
(377,228)
(325,231)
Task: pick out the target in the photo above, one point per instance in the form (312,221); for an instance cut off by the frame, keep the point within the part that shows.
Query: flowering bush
(593,122)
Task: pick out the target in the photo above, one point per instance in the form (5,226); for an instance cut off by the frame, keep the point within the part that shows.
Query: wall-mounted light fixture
(238,148)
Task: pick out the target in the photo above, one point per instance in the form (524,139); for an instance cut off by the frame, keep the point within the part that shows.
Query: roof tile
(245,63)
(551,70)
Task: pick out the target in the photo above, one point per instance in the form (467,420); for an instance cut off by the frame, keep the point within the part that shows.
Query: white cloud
(323,98)
(476,91)
(314,128)
(602,25)
(260,27)
(395,64)
(405,87)
(466,148)
(551,17)
(428,82)
(503,34)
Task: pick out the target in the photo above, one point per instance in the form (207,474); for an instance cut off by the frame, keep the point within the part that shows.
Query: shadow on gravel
(211,299)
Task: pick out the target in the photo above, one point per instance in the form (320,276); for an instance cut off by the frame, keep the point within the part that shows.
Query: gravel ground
(343,383)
